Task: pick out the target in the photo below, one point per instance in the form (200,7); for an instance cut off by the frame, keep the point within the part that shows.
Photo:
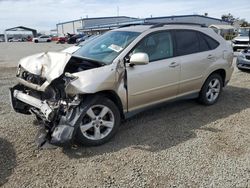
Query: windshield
(107,47)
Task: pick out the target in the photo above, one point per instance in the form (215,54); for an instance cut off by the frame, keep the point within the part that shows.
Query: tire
(211,90)
(107,123)
(235,49)
(36,41)
(48,40)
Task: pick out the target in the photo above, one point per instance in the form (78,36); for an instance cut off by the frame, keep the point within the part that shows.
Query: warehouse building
(75,26)
(103,24)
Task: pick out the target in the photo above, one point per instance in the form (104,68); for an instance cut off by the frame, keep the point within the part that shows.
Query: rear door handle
(210,57)
(174,64)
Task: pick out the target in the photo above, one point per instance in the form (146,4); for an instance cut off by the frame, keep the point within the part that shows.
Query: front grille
(29,77)
(241,42)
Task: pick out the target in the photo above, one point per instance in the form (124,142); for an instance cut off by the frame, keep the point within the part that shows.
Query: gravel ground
(182,144)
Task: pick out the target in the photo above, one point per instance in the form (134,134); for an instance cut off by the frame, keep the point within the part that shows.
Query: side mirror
(139,59)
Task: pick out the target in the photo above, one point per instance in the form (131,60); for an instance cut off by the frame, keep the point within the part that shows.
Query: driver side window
(157,45)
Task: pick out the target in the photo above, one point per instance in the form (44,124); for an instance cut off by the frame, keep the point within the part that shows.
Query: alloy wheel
(213,90)
(98,122)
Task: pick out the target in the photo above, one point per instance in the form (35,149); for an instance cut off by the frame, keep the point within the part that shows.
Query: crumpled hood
(49,65)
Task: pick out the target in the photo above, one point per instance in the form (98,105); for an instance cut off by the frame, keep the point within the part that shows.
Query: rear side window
(211,42)
(187,42)
(204,46)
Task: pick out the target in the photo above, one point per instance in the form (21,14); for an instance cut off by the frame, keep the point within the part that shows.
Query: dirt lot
(182,144)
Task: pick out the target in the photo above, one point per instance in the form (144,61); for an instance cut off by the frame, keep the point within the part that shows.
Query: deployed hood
(49,65)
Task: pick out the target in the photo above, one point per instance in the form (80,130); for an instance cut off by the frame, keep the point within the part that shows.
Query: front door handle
(174,64)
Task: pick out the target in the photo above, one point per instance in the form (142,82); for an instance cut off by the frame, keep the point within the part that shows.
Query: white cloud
(44,15)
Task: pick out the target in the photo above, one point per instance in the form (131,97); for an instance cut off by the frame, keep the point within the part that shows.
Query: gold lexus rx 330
(84,96)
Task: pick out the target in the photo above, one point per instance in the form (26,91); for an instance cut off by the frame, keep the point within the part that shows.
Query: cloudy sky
(45,14)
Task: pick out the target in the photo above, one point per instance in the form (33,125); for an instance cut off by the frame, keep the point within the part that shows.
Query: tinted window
(211,42)
(158,46)
(203,43)
(186,42)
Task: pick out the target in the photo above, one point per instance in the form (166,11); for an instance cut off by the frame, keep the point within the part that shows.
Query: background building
(75,26)
(102,24)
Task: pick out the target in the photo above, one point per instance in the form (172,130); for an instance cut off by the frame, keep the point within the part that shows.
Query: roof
(180,16)
(20,27)
(222,26)
(96,18)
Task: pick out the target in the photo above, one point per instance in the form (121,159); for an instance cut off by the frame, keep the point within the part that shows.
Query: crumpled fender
(49,65)
(65,132)
(93,80)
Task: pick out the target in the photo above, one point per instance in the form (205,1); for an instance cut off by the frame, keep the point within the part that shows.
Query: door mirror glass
(139,59)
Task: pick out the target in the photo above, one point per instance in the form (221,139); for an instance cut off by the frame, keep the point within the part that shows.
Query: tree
(230,18)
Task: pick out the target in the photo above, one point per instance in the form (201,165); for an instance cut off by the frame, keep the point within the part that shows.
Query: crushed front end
(41,91)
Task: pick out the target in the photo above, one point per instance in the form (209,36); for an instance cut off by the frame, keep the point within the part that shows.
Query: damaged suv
(85,95)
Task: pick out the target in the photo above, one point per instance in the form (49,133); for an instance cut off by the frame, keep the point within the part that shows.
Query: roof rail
(175,23)
(135,24)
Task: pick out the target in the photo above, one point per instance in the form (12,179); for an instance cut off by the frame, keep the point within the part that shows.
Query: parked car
(82,39)
(241,41)
(73,49)
(72,38)
(43,38)
(61,40)
(85,95)
(15,40)
(243,60)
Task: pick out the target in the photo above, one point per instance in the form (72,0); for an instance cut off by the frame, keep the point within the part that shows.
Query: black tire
(235,49)
(48,40)
(36,41)
(103,101)
(203,99)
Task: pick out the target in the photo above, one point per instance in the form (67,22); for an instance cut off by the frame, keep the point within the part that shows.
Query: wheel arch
(220,72)
(112,95)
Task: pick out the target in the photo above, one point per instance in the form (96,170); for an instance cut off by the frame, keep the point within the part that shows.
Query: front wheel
(99,124)
(211,90)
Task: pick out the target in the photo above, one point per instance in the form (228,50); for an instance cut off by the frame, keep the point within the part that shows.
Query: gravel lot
(182,144)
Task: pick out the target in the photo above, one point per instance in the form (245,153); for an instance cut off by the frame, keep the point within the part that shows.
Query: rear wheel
(36,41)
(99,124)
(211,90)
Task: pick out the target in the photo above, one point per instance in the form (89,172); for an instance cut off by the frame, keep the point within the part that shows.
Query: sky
(43,15)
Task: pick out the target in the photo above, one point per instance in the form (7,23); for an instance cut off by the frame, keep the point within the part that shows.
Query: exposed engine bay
(43,93)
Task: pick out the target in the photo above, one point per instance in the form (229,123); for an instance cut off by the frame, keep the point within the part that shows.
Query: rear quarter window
(212,43)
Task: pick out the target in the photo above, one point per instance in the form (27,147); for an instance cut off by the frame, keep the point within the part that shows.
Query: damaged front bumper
(57,129)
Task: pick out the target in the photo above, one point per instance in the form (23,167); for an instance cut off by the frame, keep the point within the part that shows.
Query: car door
(196,58)
(158,80)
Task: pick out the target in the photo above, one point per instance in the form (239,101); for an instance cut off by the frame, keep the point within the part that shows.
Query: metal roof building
(76,25)
(102,24)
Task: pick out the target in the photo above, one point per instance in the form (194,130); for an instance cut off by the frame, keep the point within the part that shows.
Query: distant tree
(205,14)
(230,18)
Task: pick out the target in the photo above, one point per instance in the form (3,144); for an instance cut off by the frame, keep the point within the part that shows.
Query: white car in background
(15,40)
(43,38)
